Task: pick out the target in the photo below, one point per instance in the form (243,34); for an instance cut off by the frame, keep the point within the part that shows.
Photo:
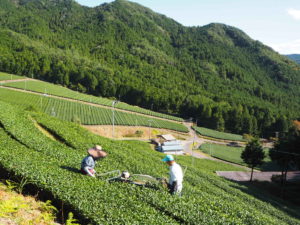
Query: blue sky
(276,23)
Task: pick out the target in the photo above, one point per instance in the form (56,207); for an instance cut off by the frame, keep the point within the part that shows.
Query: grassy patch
(233,154)
(16,208)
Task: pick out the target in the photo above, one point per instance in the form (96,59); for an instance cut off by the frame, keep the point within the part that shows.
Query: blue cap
(168,158)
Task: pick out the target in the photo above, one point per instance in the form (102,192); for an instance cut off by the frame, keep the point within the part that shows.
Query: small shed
(171,148)
(169,143)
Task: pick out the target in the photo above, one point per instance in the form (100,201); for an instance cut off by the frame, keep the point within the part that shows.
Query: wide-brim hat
(97,152)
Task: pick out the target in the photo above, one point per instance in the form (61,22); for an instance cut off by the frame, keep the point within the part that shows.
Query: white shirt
(176,174)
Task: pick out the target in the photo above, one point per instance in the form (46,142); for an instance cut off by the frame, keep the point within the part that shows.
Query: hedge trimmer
(137,179)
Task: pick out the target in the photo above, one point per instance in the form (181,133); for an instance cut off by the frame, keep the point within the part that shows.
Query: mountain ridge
(215,73)
(294,57)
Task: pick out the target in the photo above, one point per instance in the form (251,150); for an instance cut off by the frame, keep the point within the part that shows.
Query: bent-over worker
(89,162)
(176,175)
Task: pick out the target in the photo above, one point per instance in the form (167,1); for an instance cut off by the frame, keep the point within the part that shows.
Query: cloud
(292,47)
(294,13)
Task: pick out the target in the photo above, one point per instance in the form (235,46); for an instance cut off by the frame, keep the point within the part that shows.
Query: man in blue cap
(176,175)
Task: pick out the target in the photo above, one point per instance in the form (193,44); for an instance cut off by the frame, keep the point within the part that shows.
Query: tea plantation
(218,135)
(53,166)
(7,76)
(48,88)
(86,114)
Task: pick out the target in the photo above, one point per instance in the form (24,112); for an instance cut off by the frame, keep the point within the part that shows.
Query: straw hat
(97,152)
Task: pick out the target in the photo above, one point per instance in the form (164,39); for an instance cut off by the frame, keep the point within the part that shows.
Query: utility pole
(150,129)
(113,117)
(193,143)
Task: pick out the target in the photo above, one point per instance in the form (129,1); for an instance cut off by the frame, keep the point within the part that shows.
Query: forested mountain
(214,73)
(295,57)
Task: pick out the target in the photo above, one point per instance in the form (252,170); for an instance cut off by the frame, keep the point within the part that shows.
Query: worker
(88,163)
(176,175)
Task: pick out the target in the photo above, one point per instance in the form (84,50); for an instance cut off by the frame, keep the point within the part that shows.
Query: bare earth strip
(260,176)
(128,132)
(12,81)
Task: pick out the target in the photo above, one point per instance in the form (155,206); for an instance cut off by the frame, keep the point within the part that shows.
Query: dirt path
(197,141)
(12,81)
(260,176)
(83,102)
(192,143)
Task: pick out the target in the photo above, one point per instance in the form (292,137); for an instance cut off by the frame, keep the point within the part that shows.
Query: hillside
(215,73)
(19,209)
(295,57)
(84,109)
(51,167)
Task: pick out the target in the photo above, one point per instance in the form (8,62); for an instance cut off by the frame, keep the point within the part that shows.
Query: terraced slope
(7,76)
(85,114)
(53,166)
(218,135)
(48,88)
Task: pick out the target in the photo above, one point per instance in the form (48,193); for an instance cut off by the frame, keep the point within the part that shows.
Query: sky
(275,23)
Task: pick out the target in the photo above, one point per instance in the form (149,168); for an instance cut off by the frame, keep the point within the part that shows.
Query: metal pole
(193,148)
(90,107)
(193,141)
(113,117)
(113,120)
(149,128)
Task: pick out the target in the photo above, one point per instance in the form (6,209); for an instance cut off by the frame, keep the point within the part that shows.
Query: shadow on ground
(286,199)
(71,169)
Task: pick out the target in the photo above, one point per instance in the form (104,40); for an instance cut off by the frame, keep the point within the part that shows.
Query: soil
(128,132)
(260,176)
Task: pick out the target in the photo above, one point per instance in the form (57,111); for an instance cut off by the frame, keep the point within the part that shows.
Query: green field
(233,154)
(48,88)
(217,134)
(7,76)
(53,166)
(88,115)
